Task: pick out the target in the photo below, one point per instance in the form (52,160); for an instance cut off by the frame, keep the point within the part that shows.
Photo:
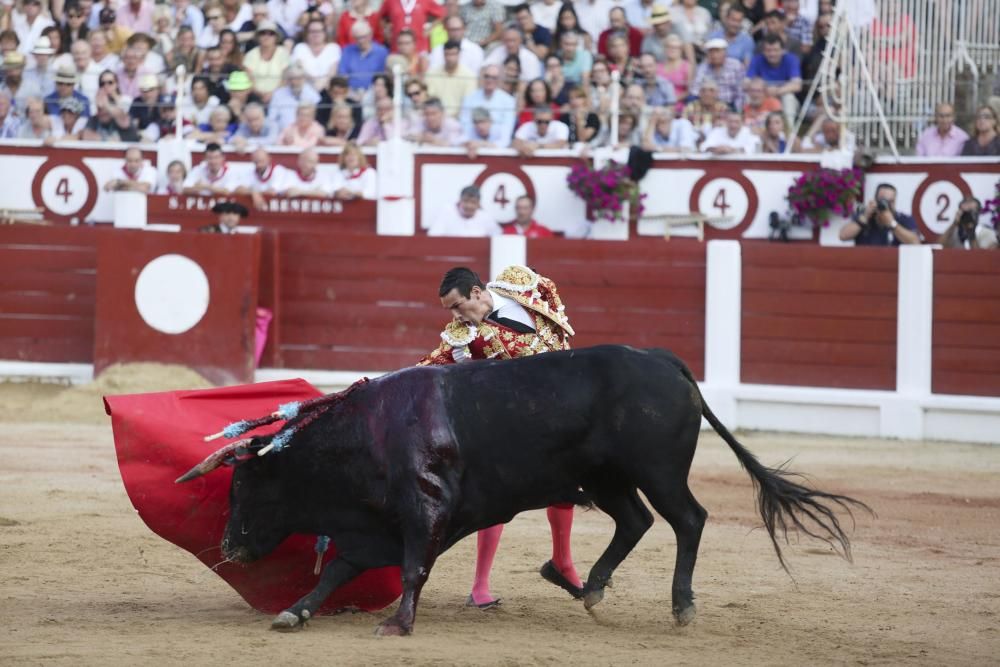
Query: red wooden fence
(966,333)
(821,317)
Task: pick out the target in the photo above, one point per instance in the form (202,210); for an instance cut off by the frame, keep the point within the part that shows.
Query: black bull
(412,462)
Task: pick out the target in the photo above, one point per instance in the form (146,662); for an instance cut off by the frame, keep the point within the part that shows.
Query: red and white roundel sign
(65,189)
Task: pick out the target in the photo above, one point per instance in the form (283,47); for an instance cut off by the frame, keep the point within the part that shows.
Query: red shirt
(534,231)
(412,15)
(635,38)
(347,21)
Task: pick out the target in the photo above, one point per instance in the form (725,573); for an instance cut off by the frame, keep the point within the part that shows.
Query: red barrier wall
(365,302)
(47,293)
(282,213)
(966,333)
(644,293)
(820,317)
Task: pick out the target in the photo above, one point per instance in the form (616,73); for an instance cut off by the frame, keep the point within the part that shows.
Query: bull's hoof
(685,615)
(591,598)
(390,628)
(286,621)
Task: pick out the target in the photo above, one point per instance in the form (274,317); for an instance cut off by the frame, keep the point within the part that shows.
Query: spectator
(466,218)
(542,132)
(583,124)
(628,131)
(593,16)
(87,71)
(115,34)
(966,231)
(663,26)
(452,81)
(246,34)
(568,22)
(284,13)
(524,223)
(166,125)
(202,102)
(812,60)
(266,63)
(219,129)
(634,102)
(217,72)
(185,51)
(824,135)
(733,137)
(775,22)
(773,139)
(128,74)
(537,39)
(136,15)
(136,174)
(357,11)
(10,124)
(174,183)
(305,132)
(266,178)
(618,25)
(758,106)
(75,26)
(546,13)
(307,181)
(530,66)
(13,81)
(213,176)
(484,133)
(694,20)
(65,88)
(536,94)
(145,109)
(163,30)
(240,90)
(286,100)
(739,44)
(434,128)
(708,111)
(780,70)
(36,124)
(727,73)
(984,140)
(363,59)
(659,92)
(110,123)
(600,89)
(229,49)
(380,127)
(255,129)
(69,123)
(229,213)
(667,134)
(577,62)
(556,81)
(879,224)
(502,106)
(40,77)
(187,15)
(675,68)
(619,59)
(639,13)
(470,54)
(215,23)
(381,88)
(357,179)
(410,15)
(797,27)
(413,63)
(29,23)
(341,127)
(483,21)
(101,55)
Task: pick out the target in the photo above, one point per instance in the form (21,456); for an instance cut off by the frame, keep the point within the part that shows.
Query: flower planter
(603,228)
(830,235)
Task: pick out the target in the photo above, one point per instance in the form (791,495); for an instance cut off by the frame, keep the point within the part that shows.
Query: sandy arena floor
(84,582)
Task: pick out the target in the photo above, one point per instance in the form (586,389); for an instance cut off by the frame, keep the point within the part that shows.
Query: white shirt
(557,131)
(243,14)
(594,17)
(59,130)
(147,174)
(28,34)
(318,68)
(470,54)
(719,136)
(531,66)
(451,223)
(227,178)
(318,183)
(363,183)
(286,14)
(110,61)
(546,15)
(275,179)
(508,308)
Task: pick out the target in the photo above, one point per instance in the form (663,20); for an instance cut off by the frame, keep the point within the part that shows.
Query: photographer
(965,231)
(879,224)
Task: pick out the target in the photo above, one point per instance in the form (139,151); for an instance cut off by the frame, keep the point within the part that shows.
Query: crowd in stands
(695,75)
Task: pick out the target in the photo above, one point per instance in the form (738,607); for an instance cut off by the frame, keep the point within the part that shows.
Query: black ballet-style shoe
(551,574)
(492,604)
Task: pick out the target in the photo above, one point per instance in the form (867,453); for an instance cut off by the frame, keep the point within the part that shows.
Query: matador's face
(472,309)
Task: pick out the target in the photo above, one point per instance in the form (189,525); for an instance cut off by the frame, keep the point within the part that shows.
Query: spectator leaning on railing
(943,138)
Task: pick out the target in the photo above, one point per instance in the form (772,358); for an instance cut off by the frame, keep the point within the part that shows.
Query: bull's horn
(212,461)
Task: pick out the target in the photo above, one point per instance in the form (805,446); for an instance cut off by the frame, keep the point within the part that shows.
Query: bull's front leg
(336,573)
(419,554)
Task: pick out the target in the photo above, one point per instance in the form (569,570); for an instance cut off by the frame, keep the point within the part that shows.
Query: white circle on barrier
(498,194)
(172,294)
(725,201)
(939,204)
(65,190)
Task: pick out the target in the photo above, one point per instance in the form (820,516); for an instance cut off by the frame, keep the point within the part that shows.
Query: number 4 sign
(66,189)
(728,203)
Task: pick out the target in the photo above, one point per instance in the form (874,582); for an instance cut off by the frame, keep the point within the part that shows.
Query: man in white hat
(42,74)
(727,72)
(69,122)
(65,80)
(662,27)
(14,84)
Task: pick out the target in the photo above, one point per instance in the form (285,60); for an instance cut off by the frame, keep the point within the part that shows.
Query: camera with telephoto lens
(967,226)
(882,204)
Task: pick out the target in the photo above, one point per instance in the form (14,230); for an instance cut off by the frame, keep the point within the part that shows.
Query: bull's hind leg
(632,520)
(687,518)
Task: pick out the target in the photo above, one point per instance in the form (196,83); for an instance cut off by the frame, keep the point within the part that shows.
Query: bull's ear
(217,458)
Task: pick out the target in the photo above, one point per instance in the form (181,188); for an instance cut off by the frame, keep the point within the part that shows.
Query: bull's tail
(784,504)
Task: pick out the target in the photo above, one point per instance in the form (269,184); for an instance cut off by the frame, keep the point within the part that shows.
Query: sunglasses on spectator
(413,93)
(214,16)
(108,82)
(986,115)
(74,15)
(542,121)
(491,77)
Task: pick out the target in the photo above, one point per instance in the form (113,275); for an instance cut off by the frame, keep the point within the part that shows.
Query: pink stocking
(488,540)
(561,522)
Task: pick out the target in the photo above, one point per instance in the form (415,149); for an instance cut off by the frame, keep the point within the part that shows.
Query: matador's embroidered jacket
(490,340)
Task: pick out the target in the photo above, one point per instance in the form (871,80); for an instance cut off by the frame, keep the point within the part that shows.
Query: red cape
(159,437)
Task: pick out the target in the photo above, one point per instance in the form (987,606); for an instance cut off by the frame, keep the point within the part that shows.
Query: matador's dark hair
(461,278)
